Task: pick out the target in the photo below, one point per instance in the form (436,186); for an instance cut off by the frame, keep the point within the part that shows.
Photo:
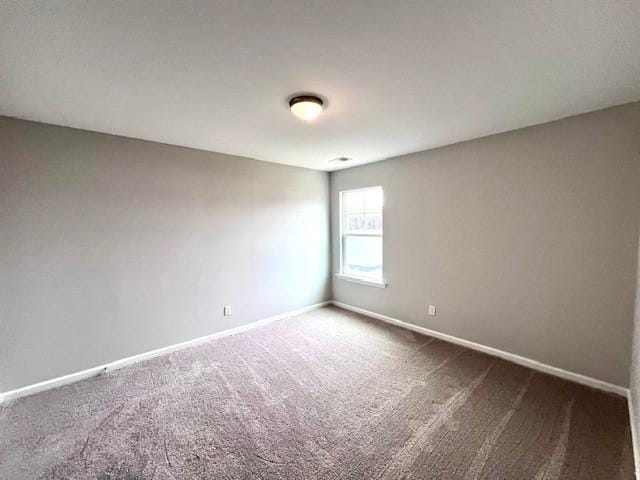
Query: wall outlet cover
(227,310)
(432,310)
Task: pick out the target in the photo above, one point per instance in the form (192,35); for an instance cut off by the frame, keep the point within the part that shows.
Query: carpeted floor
(325,395)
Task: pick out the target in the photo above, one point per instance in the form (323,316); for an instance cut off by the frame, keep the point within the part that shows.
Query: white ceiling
(399,76)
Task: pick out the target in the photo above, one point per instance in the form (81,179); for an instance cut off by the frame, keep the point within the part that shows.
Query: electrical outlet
(432,310)
(227,310)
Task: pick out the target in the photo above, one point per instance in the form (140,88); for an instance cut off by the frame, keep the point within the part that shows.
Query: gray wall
(111,247)
(525,241)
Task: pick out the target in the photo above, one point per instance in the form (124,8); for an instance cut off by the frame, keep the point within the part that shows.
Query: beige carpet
(327,395)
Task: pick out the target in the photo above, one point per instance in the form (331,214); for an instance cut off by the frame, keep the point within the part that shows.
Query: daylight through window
(361,233)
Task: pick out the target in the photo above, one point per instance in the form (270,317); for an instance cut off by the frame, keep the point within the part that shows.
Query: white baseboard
(526,362)
(634,435)
(91,372)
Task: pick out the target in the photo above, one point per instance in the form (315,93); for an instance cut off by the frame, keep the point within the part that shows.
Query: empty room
(284,239)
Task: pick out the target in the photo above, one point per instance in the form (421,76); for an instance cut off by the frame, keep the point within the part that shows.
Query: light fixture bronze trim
(306,98)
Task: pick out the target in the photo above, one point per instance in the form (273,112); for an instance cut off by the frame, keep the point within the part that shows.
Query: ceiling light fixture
(340,159)
(306,107)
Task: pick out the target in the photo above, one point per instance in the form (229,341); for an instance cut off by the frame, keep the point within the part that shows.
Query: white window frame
(343,235)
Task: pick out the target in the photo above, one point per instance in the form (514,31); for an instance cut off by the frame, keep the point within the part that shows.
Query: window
(361,234)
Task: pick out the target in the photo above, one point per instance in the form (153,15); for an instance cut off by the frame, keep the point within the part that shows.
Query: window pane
(354,202)
(373,200)
(373,223)
(362,211)
(363,257)
(367,223)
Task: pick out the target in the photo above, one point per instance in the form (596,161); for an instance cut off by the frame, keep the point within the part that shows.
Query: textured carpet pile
(325,395)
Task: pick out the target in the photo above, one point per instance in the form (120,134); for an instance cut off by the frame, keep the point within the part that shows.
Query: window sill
(361,281)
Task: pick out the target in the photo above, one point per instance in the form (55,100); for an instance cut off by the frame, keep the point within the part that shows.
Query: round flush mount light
(306,107)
